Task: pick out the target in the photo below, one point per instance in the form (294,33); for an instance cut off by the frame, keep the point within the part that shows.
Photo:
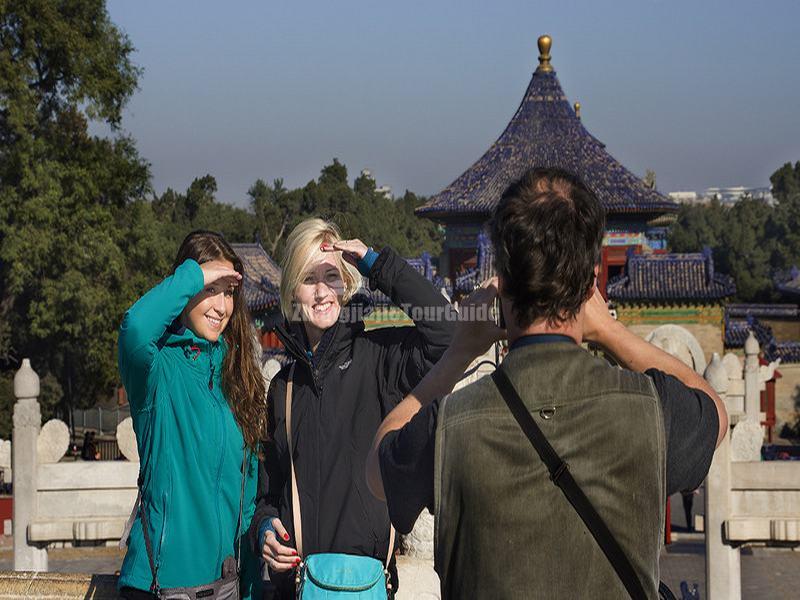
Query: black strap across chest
(561,476)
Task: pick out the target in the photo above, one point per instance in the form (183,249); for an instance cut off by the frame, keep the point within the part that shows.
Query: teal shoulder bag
(329,575)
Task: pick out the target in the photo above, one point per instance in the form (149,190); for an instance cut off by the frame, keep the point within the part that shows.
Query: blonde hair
(303,250)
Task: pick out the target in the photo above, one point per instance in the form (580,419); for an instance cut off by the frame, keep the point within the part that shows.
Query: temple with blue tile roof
(671,278)
(775,326)
(788,283)
(262,280)
(547,132)
(679,289)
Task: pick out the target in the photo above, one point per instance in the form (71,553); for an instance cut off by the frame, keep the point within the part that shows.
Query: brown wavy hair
(242,381)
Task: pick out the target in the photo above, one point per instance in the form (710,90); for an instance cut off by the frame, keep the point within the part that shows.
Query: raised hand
(596,320)
(352,250)
(477,330)
(277,556)
(221,273)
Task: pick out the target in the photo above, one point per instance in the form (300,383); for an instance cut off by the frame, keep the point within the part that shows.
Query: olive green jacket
(503,529)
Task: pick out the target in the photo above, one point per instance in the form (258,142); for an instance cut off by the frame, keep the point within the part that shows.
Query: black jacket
(340,398)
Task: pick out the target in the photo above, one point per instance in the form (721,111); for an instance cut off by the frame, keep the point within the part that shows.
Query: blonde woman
(345,381)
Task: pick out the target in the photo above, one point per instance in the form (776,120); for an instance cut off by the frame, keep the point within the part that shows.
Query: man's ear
(590,291)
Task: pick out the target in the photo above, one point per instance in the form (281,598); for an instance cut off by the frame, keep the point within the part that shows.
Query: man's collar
(540,338)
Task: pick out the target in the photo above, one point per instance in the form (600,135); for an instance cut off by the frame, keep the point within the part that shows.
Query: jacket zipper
(315,370)
(163,531)
(223,435)
(211,365)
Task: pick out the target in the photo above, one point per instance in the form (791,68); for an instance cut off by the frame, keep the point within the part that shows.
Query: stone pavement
(767,573)
(98,560)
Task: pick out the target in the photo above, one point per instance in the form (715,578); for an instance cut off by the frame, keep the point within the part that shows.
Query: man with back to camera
(630,436)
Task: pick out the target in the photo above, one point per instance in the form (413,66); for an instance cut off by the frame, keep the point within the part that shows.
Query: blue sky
(705,93)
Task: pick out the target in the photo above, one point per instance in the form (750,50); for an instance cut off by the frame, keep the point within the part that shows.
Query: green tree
(65,261)
(786,181)
(198,208)
(333,174)
(742,239)
(698,226)
(276,210)
(359,211)
(746,250)
(364,185)
(199,195)
(786,190)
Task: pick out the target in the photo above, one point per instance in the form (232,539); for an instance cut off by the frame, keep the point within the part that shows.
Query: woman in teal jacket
(187,358)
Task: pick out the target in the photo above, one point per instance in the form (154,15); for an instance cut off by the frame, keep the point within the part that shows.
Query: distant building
(788,283)
(685,197)
(262,280)
(547,132)
(776,327)
(727,196)
(681,289)
(731,195)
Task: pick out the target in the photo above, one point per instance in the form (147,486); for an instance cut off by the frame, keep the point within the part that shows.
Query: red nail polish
(286,536)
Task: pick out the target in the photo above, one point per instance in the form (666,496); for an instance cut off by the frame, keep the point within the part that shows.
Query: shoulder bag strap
(126,533)
(560,475)
(245,454)
(148,545)
(390,551)
(298,527)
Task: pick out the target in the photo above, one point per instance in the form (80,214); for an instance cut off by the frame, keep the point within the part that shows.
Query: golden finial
(577,107)
(545,41)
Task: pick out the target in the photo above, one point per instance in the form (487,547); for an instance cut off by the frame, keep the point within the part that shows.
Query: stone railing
(64,502)
(746,501)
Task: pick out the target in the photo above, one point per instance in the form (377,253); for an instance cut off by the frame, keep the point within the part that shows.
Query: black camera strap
(560,475)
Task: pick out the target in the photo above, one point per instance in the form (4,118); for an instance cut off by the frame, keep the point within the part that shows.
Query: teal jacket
(190,445)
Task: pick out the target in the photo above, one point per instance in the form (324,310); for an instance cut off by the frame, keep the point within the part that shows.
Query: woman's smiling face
(319,295)
(208,313)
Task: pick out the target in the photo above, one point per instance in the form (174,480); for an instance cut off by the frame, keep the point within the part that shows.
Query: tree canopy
(750,240)
(65,256)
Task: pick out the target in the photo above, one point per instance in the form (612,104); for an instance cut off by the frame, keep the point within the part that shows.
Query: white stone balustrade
(62,501)
(746,501)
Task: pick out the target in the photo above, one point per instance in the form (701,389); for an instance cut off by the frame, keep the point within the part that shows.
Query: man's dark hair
(547,231)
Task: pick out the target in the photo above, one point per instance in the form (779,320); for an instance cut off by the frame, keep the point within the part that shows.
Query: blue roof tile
(762,310)
(545,132)
(424,266)
(737,332)
(670,278)
(262,277)
(789,281)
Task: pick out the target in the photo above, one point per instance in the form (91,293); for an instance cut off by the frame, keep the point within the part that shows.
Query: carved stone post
(747,435)
(27,423)
(752,395)
(723,567)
